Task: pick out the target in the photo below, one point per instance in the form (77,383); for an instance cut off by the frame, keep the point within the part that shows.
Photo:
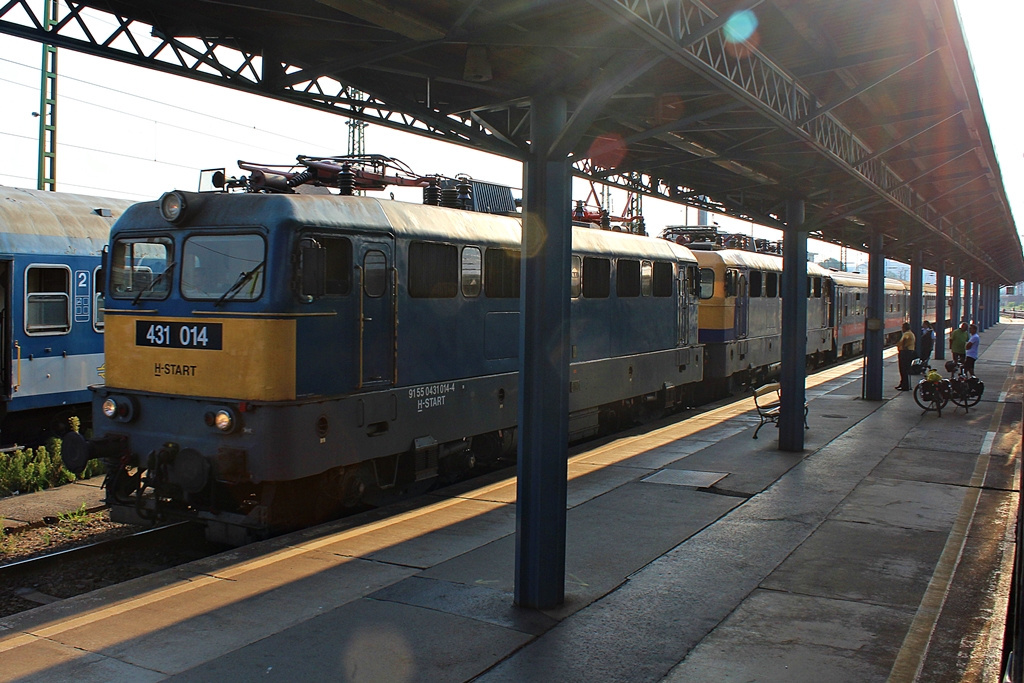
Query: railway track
(51,577)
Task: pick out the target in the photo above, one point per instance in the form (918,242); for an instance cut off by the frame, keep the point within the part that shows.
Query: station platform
(883,551)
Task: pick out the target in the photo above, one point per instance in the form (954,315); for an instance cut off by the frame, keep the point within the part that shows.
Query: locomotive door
(742,299)
(683,296)
(376,314)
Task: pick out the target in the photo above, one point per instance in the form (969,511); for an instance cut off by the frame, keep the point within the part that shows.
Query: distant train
(51,307)
(278,354)
(741,308)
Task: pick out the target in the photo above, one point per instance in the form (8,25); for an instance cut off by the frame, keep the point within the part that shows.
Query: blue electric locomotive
(51,326)
(274,356)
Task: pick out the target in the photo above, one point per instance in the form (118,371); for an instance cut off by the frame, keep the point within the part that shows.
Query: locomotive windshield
(221,267)
(137,268)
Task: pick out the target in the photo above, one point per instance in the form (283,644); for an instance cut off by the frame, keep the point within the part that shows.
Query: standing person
(907,346)
(973,346)
(927,342)
(958,342)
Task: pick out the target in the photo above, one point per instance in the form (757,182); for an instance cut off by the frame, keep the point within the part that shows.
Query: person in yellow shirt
(907,346)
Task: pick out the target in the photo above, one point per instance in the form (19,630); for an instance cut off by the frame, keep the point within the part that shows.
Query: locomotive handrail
(17,385)
(362,325)
(122,311)
(268,314)
(394,323)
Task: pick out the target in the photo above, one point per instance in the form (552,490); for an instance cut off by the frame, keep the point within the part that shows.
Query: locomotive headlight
(224,421)
(120,408)
(109,408)
(172,206)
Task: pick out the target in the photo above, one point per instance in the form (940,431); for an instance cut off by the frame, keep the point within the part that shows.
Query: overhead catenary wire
(196,112)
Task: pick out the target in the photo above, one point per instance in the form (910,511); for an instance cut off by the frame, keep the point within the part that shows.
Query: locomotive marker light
(224,421)
(173,206)
(120,408)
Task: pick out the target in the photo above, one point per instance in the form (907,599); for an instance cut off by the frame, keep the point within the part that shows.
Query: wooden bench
(768,401)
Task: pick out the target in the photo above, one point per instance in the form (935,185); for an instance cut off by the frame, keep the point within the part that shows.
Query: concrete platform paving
(881,552)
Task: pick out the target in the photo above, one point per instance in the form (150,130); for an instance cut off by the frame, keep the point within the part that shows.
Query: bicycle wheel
(975,388)
(960,393)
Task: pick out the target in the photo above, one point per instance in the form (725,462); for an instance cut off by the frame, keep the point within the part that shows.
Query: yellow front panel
(715,317)
(256,361)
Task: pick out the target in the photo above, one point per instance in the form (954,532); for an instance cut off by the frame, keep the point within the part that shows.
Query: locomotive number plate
(168,335)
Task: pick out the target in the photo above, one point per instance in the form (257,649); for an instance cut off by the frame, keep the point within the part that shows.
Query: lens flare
(607,151)
(740,26)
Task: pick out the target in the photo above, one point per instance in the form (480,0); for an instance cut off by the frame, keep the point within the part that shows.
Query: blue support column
(940,313)
(957,303)
(794,328)
(874,334)
(981,293)
(986,298)
(916,294)
(543,365)
(976,302)
(968,296)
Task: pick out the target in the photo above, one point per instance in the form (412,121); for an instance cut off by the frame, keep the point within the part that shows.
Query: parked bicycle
(933,391)
(966,389)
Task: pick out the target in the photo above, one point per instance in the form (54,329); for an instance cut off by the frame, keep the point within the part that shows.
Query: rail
(1011,313)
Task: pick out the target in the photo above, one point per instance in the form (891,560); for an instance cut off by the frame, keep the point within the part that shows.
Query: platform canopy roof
(868,109)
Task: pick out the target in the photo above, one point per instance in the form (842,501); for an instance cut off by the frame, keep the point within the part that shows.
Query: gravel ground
(70,531)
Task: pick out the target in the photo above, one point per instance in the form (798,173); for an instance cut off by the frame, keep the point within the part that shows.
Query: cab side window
(472,265)
(664,274)
(501,273)
(707,283)
(433,270)
(597,273)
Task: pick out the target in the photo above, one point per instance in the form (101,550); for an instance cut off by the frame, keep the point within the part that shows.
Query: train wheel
(353,488)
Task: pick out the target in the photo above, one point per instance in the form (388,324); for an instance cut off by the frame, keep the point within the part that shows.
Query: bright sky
(129,132)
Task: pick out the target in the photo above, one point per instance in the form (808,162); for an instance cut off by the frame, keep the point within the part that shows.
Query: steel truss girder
(734,204)
(221,62)
(769,89)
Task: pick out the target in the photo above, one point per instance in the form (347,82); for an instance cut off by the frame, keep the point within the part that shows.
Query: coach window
(596,278)
(433,270)
(664,273)
(577,277)
(137,268)
(627,278)
(707,283)
(816,287)
(756,277)
(646,273)
(222,267)
(47,299)
(472,264)
(771,285)
(501,273)
(97,300)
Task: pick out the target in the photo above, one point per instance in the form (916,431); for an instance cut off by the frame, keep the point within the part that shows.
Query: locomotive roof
(403,219)
(861,280)
(39,222)
(738,258)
